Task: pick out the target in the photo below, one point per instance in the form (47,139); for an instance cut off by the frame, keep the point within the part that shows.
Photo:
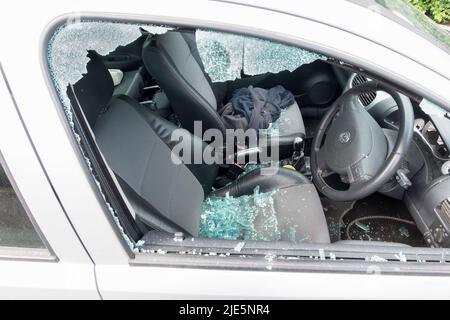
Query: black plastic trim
(100,170)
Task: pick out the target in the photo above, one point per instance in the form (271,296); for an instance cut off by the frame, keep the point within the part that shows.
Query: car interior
(359,161)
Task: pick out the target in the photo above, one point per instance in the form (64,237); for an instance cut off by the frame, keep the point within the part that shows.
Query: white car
(352,100)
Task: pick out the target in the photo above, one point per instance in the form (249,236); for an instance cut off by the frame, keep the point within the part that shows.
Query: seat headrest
(94,90)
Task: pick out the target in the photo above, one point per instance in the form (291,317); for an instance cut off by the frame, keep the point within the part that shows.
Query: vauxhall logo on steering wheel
(344,137)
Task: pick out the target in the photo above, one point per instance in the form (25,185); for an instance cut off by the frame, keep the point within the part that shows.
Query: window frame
(178,260)
(23,253)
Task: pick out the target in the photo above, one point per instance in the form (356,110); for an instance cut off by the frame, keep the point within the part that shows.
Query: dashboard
(432,138)
(431,129)
(426,164)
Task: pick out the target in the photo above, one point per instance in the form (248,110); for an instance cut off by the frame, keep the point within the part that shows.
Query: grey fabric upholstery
(173,60)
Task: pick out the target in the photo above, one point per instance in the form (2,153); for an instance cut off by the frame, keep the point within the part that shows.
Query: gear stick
(298,157)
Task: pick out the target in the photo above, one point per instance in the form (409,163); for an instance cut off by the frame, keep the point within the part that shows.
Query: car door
(41,256)
(123,273)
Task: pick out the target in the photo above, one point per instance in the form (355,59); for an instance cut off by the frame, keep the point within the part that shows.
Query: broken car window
(225,55)
(210,136)
(16,229)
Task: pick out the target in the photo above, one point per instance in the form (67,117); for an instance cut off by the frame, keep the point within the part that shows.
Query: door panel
(41,256)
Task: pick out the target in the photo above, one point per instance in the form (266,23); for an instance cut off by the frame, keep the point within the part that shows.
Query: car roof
(341,14)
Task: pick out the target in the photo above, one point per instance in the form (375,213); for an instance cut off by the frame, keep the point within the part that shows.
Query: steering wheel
(350,143)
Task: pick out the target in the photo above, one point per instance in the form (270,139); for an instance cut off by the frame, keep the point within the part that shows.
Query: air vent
(365,98)
(444,211)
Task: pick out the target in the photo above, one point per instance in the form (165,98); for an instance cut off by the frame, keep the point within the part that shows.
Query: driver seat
(169,196)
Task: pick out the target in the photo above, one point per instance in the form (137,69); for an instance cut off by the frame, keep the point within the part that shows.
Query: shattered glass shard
(292,234)
(239,246)
(68,47)
(401,257)
(253,166)
(270,257)
(140,243)
(404,232)
(263,56)
(221,53)
(376,259)
(363,226)
(322,254)
(248,217)
(224,55)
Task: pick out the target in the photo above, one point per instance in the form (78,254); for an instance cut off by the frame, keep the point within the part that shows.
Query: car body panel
(65,270)
(171,283)
(47,280)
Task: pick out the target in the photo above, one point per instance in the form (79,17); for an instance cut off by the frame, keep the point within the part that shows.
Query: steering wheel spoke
(322,165)
(357,185)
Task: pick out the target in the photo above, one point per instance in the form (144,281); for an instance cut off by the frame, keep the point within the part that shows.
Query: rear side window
(16,228)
